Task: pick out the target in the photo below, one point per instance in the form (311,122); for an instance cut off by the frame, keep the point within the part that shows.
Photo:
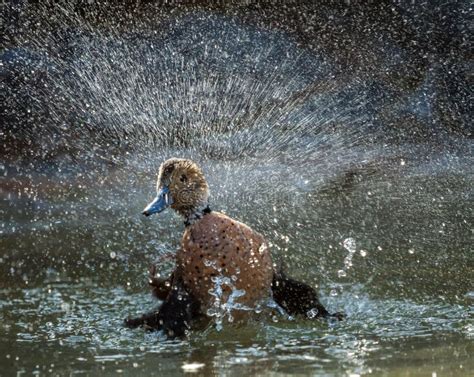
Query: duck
(218,258)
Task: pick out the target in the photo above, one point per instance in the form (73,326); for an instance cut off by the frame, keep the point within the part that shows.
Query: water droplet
(349,244)
(341,273)
(192,367)
(312,313)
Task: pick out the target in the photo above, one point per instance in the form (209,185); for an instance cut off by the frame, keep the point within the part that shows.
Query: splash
(232,92)
(349,244)
(223,305)
(293,145)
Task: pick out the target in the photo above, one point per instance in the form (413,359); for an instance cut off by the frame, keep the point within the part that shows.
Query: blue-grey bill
(162,201)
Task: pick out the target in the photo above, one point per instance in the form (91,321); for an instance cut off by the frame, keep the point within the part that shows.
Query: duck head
(181,185)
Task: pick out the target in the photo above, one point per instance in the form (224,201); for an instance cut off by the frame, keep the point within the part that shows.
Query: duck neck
(195,214)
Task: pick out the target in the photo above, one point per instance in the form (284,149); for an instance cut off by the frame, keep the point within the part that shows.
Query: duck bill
(162,201)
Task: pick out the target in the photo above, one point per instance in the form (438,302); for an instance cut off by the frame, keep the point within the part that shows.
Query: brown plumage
(213,245)
(187,185)
(218,256)
(218,246)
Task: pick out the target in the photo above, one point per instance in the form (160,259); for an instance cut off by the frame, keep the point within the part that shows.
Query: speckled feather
(220,246)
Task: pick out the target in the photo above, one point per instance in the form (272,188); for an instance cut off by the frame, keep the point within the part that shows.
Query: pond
(363,190)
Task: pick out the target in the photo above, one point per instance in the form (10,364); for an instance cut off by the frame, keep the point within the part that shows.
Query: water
(361,183)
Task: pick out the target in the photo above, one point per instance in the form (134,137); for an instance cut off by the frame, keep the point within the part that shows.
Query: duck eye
(183,178)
